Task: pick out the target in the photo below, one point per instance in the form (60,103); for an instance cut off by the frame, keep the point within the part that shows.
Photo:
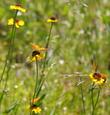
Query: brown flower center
(18,5)
(97,76)
(53,18)
(34,53)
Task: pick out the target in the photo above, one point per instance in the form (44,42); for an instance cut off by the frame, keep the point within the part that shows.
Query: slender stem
(9,49)
(48,40)
(82,97)
(42,79)
(97,98)
(47,45)
(37,80)
(8,60)
(92,99)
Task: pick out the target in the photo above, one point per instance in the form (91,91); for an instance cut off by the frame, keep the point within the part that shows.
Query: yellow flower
(18,23)
(98,78)
(17,7)
(38,48)
(37,53)
(36,109)
(52,20)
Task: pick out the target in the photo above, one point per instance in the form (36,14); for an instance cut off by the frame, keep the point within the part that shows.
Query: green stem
(8,60)
(82,98)
(92,99)
(97,98)
(47,45)
(42,79)
(9,49)
(37,79)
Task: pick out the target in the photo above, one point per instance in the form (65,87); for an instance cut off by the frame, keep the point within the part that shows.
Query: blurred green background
(83,31)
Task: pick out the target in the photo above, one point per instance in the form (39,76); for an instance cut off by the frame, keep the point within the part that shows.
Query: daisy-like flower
(17,7)
(52,20)
(98,78)
(37,53)
(36,109)
(18,23)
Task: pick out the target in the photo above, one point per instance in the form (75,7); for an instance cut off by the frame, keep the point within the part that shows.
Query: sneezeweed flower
(98,78)
(17,7)
(18,23)
(35,105)
(35,109)
(37,53)
(52,20)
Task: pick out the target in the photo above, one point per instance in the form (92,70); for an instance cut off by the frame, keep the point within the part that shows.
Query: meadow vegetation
(55,57)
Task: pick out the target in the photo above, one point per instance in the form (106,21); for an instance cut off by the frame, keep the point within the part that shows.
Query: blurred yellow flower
(98,78)
(37,54)
(17,7)
(18,23)
(38,48)
(36,109)
(52,20)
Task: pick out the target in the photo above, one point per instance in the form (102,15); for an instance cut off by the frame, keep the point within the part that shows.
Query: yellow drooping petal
(10,21)
(36,109)
(52,20)
(17,7)
(17,25)
(36,47)
(35,58)
(21,23)
(35,100)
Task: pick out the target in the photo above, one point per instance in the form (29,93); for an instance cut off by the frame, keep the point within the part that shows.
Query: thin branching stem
(37,79)
(11,41)
(42,79)
(8,60)
(46,46)
(97,99)
(94,103)
(92,99)
(82,97)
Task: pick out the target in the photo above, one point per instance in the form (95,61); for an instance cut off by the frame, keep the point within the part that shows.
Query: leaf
(12,107)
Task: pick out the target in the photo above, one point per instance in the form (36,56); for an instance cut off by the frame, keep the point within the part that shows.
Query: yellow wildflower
(37,54)
(52,20)
(17,7)
(36,109)
(98,78)
(18,23)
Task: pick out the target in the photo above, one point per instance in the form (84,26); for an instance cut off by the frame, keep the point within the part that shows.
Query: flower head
(37,53)
(18,23)
(17,7)
(98,78)
(52,20)
(35,109)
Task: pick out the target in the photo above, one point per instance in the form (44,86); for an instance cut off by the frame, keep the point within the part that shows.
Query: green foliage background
(83,31)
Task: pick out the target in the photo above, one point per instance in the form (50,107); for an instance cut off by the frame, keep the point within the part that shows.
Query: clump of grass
(15,23)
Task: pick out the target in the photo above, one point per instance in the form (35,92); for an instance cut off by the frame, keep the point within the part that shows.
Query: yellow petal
(10,21)
(21,22)
(17,7)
